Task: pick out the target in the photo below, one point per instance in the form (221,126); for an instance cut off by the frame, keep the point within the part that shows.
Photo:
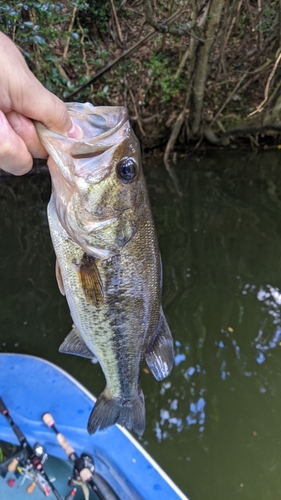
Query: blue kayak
(31,386)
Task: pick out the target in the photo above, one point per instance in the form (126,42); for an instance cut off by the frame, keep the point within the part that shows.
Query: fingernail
(75,132)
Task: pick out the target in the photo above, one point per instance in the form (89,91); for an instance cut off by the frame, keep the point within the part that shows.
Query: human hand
(23,99)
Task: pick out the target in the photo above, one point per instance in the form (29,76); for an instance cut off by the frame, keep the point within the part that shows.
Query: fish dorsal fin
(90,279)
(73,344)
(160,354)
(59,278)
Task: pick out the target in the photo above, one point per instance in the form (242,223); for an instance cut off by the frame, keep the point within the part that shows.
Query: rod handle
(50,422)
(48,419)
(13,465)
(65,444)
(30,488)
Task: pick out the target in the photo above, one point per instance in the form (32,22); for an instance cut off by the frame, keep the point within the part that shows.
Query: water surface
(214,424)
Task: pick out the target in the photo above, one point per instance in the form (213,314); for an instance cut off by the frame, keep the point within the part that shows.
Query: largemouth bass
(108,261)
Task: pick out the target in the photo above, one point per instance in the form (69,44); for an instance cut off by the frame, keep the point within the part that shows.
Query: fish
(108,261)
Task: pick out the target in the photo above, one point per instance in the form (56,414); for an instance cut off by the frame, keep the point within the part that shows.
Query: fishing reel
(28,464)
(39,457)
(28,460)
(84,473)
(33,458)
(82,463)
(83,470)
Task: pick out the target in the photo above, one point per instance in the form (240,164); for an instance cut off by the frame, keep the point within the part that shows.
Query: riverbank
(120,53)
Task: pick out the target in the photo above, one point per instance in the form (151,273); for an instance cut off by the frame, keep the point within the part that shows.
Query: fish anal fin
(59,278)
(74,344)
(129,413)
(160,354)
(90,279)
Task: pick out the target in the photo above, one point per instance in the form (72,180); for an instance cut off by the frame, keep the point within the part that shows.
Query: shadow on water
(214,424)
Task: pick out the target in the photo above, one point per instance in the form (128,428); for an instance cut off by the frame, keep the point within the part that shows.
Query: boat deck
(31,386)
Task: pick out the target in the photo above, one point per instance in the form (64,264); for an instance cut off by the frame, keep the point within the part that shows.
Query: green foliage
(95,14)
(269,16)
(161,71)
(66,42)
(41,29)
(35,27)
(104,93)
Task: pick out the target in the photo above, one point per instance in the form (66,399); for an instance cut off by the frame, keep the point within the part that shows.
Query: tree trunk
(201,69)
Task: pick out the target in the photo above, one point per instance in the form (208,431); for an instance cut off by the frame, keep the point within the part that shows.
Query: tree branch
(201,69)
(125,54)
(183,29)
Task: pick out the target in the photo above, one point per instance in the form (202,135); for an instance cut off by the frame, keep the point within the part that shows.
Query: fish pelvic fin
(128,412)
(160,354)
(90,279)
(74,344)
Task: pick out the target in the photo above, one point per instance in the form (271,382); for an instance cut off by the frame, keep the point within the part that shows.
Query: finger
(39,104)
(14,155)
(26,130)
(22,92)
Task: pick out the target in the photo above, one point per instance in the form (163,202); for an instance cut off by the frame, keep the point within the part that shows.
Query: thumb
(23,93)
(40,104)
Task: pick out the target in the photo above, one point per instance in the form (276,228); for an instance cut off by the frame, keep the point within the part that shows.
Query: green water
(214,424)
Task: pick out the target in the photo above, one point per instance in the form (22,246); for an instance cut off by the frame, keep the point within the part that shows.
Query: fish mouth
(100,129)
(88,158)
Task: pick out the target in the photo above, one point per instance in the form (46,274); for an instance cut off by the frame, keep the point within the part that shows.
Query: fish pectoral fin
(160,354)
(90,279)
(59,278)
(73,344)
(128,412)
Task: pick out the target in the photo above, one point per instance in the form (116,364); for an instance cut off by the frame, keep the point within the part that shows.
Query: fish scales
(108,261)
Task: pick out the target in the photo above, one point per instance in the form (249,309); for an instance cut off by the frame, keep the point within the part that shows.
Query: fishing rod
(35,457)
(84,467)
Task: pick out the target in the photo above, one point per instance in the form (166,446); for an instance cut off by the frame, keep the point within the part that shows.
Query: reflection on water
(214,424)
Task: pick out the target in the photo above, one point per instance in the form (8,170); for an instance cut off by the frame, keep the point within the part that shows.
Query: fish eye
(127,170)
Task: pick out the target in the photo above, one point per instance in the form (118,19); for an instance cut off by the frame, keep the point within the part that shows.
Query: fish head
(97,181)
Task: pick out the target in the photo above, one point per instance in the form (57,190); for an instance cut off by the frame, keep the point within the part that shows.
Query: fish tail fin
(129,413)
